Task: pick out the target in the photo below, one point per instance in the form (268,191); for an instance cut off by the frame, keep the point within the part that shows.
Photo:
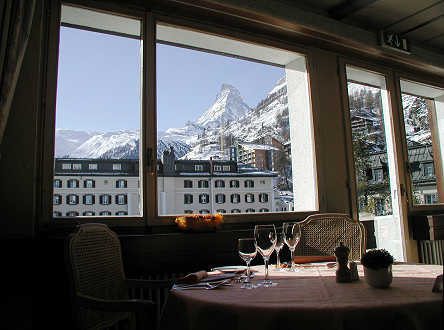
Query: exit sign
(394,41)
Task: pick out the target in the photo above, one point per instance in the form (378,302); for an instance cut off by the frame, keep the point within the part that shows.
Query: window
(214,143)
(121,183)
(105,199)
(282,75)
(188,184)
(203,184)
(263,198)
(264,210)
(105,213)
(56,214)
(72,199)
(234,184)
(89,213)
(121,199)
(235,211)
(89,199)
(57,200)
(204,211)
(430,198)
(428,169)
(249,198)
(89,183)
(57,183)
(188,212)
(221,211)
(84,127)
(121,213)
(249,184)
(249,211)
(204,198)
(72,214)
(73,183)
(220,198)
(235,198)
(188,199)
(378,175)
(219,184)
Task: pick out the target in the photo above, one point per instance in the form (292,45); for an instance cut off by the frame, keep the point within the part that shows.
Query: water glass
(292,236)
(278,248)
(265,236)
(247,251)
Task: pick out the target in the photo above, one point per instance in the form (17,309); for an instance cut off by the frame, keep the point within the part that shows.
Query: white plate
(231,269)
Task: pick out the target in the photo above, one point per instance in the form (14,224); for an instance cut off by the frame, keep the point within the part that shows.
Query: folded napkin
(309,259)
(193,277)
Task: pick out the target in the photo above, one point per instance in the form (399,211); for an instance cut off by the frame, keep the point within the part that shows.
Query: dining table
(311,298)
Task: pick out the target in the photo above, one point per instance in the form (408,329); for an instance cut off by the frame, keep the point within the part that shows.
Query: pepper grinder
(343,273)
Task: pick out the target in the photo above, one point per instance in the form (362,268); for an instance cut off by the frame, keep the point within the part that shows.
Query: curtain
(15,27)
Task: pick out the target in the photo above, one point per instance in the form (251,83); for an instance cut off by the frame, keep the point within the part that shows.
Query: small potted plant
(378,268)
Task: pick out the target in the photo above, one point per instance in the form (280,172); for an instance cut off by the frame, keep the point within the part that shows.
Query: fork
(203,285)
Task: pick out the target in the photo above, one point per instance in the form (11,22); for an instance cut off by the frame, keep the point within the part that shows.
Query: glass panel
(374,162)
(98,114)
(236,110)
(423,108)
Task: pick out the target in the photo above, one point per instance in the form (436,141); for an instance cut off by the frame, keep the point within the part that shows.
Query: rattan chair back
(321,233)
(95,260)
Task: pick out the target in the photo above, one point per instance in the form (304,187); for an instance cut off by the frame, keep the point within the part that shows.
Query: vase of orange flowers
(200,222)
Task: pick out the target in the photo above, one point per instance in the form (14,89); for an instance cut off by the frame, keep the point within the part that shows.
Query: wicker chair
(100,296)
(321,233)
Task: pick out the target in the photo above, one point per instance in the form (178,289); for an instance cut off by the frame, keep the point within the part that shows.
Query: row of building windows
(216,168)
(249,210)
(218,184)
(220,198)
(87,213)
(89,183)
(89,199)
(91,166)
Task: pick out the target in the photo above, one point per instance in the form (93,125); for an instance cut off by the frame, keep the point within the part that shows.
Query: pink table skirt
(311,299)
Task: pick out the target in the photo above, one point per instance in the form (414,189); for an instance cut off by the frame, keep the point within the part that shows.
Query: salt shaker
(354,271)
(343,273)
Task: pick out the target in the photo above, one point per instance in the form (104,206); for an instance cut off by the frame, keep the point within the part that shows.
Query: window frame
(148,182)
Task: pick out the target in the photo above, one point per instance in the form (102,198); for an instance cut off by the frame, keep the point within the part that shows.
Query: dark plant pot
(378,278)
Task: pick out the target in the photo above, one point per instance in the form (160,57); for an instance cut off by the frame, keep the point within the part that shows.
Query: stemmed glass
(247,251)
(278,247)
(265,236)
(292,236)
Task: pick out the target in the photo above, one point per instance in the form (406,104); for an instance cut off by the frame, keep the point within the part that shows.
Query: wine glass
(292,236)
(247,251)
(265,236)
(278,247)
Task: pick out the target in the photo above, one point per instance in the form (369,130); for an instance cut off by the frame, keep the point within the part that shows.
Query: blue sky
(99,79)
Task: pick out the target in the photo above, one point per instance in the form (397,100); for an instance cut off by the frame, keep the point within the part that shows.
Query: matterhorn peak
(227,106)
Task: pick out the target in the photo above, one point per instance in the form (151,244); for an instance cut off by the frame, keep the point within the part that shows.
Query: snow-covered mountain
(122,144)
(68,140)
(227,106)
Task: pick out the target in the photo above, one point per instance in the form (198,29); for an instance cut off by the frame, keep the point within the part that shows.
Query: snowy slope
(68,140)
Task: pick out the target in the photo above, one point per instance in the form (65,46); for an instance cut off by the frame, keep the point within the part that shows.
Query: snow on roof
(258,146)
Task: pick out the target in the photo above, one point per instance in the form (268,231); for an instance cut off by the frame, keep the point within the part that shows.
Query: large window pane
(98,115)
(374,161)
(232,112)
(423,108)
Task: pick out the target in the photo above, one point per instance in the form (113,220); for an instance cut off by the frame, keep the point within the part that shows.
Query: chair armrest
(123,305)
(150,284)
